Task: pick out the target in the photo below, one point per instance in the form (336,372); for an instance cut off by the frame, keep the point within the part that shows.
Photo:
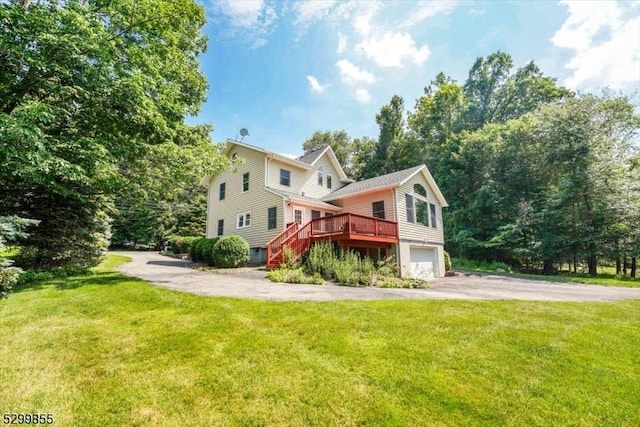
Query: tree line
(93,143)
(94,148)
(536,176)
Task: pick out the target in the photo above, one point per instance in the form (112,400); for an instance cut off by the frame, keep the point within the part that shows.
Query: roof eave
(361,192)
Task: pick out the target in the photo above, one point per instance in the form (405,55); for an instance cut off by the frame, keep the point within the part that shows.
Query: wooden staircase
(344,228)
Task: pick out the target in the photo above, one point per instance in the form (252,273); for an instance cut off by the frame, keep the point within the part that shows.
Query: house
(275,201)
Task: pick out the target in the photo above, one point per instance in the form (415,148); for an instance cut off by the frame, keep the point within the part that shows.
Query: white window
(285,177)
(329,179)
(418,206)
(245,182)
(297,215)
(320,177)
(244,220)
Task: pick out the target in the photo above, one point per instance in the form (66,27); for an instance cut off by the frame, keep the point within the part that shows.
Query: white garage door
(423,263)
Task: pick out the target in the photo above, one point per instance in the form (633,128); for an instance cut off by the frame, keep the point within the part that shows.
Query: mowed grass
(606,276)
(109,350)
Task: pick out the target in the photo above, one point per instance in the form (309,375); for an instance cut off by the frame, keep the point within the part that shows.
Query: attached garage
(423,263)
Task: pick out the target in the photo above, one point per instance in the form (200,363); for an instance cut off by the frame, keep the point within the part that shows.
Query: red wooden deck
(347,229)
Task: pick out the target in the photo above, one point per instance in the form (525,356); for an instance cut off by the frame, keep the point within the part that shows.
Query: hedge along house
(274,201)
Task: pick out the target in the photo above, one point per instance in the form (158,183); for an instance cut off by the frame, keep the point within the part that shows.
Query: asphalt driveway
(250,283)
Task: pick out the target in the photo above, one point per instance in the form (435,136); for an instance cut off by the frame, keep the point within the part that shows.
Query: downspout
(266,170)
(397,218)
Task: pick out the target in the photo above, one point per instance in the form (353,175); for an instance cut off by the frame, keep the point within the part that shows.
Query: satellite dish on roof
(243,132)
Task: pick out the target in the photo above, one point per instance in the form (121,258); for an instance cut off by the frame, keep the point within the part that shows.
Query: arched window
(417,206)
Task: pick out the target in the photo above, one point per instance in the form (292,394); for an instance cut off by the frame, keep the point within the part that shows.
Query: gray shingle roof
(312,156)
(388,180)
(305,199)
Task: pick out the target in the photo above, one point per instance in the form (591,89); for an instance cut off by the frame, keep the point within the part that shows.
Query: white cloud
(477,12)
(315,86)
(363,96)
(362,23)
(352,74)
(392,49)
(427,9)
(342,44)
(606,44)
(254,15)
(311,10)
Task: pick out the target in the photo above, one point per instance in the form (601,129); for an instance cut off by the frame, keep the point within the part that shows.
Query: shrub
(181,245)
(322,259)
(295,275)
(289,258)
(447,261)
(207,250)
(198,252)
(192,248)
(231,251)
(8,277)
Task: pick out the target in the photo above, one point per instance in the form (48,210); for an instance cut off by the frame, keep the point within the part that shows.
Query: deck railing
(345,225)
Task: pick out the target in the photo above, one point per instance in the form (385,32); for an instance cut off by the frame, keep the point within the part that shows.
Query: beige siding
(306,212)
(304,181)
(362,204)
(415,231)
(256,201)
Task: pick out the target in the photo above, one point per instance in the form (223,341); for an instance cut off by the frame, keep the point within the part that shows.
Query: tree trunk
(624,266)
(618,266)
(547,267)
(593,266)
(633,267)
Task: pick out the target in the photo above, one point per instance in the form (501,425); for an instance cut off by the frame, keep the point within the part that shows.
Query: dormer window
(320,176)
(329,179)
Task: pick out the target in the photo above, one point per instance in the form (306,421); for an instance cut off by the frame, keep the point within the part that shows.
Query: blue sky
(285,69)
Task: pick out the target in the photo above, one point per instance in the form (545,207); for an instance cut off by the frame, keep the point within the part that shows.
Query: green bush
(230,251)
(193,250)
(31,276)
(295,275)
(447,261)
(321,259)
(346,268)
(198,252)
(207,250)
(8,276)
(289,258)
(180,244)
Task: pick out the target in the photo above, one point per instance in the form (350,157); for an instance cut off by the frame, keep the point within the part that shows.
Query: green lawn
(108,350)
(607,276)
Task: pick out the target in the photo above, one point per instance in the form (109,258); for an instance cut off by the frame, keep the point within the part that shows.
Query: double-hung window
(329,179)
(245,182)
(320,176)
(220,227)
(223,190)
(285,177)
(272,218)
(244,220)
(378,209)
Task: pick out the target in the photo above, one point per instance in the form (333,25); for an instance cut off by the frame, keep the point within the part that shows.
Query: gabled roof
(390,180)
(314,155)
(303,199)
(289,160)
